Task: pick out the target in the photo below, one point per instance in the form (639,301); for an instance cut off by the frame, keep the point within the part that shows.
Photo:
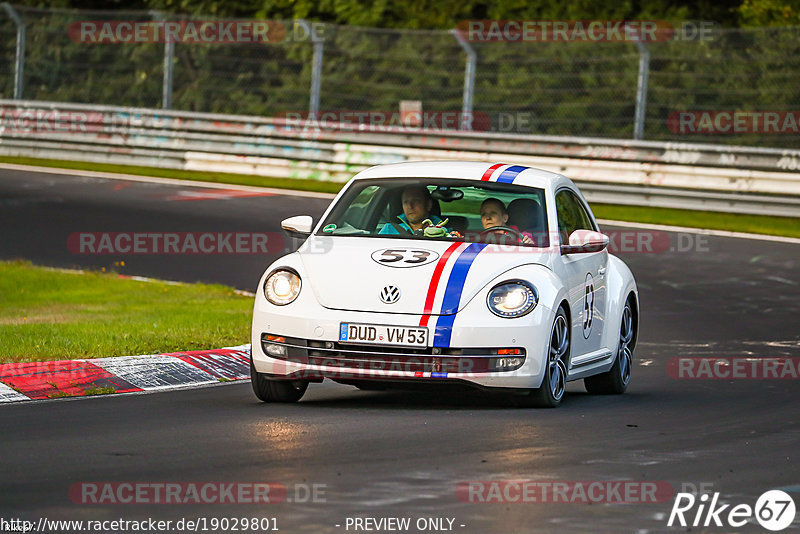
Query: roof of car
(468,170)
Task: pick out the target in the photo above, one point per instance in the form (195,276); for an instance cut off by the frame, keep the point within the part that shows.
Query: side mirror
(298,226)
(582,241)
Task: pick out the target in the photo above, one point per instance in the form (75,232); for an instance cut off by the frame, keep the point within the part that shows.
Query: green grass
(734,222)
(51,315)
(757,224)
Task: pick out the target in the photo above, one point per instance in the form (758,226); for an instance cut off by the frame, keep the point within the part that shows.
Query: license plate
(377,334)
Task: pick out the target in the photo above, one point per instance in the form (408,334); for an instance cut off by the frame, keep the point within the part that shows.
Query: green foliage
(769,12)
(553,88)
(445,14)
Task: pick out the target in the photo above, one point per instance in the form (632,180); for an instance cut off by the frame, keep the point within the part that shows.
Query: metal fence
(642,173)
(603,89)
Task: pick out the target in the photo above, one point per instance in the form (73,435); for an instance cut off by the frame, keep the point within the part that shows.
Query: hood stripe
(434,284)
(490,171)
(452,294)
(508,175)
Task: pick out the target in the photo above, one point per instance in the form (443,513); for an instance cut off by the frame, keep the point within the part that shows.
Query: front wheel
(269,390)
(615,381)
(554,384)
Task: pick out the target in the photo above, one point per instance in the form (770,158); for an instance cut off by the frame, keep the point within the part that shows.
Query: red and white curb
(124,374)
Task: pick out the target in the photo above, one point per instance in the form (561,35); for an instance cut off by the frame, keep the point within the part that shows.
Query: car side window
(359,209)
(572,215)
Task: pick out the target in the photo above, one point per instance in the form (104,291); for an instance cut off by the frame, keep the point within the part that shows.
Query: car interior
(375,206)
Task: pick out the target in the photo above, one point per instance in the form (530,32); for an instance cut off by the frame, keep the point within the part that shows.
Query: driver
(495,215)
(417,205)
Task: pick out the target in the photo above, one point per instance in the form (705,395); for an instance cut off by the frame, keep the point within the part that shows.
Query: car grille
(390,358)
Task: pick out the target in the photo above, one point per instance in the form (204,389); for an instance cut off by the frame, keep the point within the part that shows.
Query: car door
(584,275)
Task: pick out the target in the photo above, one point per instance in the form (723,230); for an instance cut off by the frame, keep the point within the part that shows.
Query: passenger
(417,206)
(495,215)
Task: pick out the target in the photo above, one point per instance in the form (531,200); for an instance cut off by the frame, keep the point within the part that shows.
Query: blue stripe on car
(452,294)
(508,175)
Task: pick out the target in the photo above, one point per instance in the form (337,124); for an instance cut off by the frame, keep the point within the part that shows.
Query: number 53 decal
(404,257)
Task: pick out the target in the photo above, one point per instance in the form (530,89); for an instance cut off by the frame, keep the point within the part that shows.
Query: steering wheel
(502,229)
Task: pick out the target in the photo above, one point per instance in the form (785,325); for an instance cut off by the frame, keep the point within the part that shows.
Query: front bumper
(311,349)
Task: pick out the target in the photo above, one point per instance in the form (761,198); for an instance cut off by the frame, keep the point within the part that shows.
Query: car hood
(436,277)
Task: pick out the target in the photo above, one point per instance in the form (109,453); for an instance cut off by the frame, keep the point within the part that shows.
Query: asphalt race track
(409,455)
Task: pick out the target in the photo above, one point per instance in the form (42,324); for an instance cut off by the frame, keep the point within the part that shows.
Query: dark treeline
(442,14)
(750,61)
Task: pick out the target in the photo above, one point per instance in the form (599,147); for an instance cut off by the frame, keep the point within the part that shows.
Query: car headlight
(512,298)
(282,287)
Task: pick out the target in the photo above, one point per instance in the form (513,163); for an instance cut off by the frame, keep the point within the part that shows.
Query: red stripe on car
(490,171)
(437,275)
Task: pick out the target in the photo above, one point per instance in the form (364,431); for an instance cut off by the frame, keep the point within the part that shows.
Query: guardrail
(692,176)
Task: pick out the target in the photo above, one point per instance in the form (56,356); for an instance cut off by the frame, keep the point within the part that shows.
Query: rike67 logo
(774,510)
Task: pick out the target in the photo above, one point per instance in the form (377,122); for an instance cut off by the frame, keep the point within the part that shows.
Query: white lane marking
(717,233)
(168,181)
(782,280)
(220,194)
(7,394)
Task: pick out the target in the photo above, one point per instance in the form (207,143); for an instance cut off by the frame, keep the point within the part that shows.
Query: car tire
(615,381)
(554,383)
(268,390)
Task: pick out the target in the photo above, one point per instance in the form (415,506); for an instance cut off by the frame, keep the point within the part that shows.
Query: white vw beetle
(412,278)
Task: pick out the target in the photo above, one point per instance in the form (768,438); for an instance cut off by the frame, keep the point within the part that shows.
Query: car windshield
(452,210)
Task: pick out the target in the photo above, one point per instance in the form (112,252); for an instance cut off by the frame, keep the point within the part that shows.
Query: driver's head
(417,204)
(493,213)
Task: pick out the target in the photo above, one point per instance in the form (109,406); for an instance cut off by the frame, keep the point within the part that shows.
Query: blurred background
(372,56)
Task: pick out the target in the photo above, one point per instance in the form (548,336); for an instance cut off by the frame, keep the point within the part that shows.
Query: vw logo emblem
(390,294)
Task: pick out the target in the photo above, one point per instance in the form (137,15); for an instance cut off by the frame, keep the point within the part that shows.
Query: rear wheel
(615,380)
(554,384)
(269,390)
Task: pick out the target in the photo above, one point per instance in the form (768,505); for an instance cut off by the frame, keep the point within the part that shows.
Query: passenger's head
(417,204)
(493,213)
